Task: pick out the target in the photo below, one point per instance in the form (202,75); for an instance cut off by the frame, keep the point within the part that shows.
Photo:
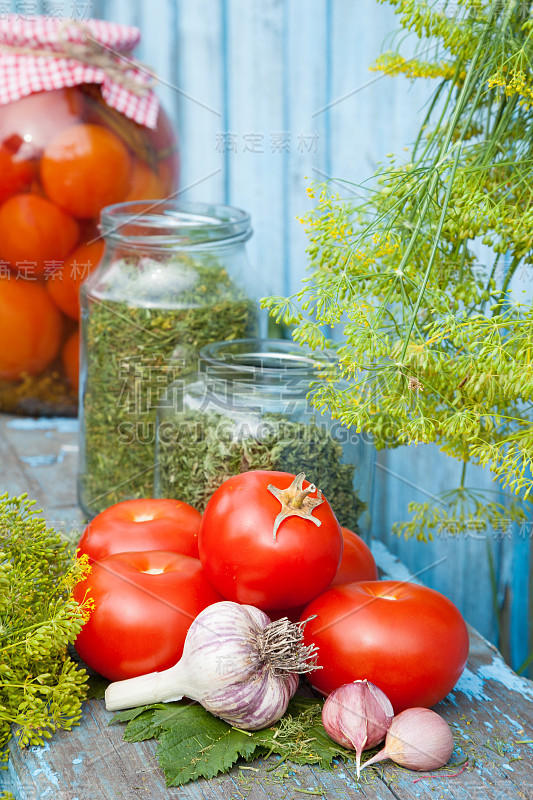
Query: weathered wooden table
(491,708)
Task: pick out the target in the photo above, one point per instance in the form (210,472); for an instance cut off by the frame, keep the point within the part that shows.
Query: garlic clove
(357,716)
(418,739)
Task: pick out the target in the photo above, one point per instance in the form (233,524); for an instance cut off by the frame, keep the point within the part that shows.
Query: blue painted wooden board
(266,97)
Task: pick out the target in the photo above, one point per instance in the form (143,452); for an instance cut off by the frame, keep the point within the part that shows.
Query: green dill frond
(431,342)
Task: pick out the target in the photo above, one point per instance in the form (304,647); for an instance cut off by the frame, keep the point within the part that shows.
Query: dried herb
(41,688)
(44,394)
(133,353)
(198,451)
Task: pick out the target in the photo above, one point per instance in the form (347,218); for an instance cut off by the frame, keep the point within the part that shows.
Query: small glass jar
(247,407)
(174,277)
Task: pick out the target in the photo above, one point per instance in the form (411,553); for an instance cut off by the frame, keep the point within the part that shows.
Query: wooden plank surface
(40,457)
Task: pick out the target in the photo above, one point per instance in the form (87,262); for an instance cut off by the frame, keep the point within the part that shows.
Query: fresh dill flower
(41,688)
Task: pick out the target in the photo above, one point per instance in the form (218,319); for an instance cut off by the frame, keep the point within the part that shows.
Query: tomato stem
(295,501)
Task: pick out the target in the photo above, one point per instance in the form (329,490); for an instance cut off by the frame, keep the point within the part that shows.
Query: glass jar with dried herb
(173,278)
(247,407)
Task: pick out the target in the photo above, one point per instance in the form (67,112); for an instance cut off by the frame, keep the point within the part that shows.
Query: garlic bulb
(357,716)
(237,663)
(419,739)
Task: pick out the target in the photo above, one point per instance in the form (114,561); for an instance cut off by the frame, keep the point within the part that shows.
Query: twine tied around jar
(92,53)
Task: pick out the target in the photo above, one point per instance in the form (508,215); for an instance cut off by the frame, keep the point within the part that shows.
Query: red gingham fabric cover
(22,74)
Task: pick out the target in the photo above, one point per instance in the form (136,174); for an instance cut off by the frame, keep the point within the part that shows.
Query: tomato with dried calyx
(30,328)
(144,604)
(84,168)
(269,539)
(407,639)
(35,235)
(142,524)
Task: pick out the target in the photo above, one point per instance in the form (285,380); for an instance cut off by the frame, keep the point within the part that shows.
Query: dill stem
(463,473)
(472,79)
(505,285)
(432,257)
(440,120)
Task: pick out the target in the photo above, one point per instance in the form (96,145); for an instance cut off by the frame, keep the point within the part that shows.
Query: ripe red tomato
(145,524)
(34,233)
(357,564)
(357,561)
(144,604)
(244,561)
(30,328)
(87,156)
(408,640)
(64,284)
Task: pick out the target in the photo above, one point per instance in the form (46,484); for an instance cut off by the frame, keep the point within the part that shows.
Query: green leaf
(132,713)
(153,721)
(199,745)
(142,728)
(195,744)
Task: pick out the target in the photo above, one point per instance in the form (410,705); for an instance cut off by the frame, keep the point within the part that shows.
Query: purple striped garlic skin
(238,664)
(254,704)
(243,691)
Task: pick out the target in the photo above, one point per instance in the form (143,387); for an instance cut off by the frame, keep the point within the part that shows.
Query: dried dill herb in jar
(247,408)
(171,281)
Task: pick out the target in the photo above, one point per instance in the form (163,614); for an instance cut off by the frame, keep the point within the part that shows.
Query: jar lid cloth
(43,53)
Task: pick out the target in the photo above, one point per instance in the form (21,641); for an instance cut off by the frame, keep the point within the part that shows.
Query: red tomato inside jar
(65,154)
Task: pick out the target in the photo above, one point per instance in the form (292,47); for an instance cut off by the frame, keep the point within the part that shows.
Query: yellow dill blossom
(395,64)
